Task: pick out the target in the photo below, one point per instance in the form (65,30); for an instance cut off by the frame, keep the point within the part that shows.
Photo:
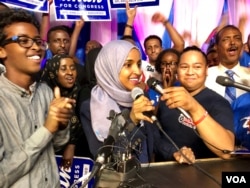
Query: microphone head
(152,82)
(136,92)
(125,113)
(224,81)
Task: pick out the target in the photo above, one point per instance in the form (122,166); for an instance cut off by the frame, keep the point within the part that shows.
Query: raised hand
(158,18)
(79,23)
(131,13)
(60,111)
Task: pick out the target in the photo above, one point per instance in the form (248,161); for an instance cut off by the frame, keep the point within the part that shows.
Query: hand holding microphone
(176,97)
(142,108)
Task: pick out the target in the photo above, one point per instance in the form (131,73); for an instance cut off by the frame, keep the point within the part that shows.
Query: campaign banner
(142,3)
(80,169)
(89,10)
(33,5)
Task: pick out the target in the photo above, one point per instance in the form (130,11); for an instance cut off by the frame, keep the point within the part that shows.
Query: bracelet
(201,119)
(165,22)
(130,26)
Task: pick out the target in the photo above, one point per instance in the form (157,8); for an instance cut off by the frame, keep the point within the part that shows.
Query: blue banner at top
(132,3)
(33,5)
(89,10)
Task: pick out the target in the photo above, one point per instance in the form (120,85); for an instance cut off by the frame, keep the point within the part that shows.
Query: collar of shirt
(23,92)
(235,69)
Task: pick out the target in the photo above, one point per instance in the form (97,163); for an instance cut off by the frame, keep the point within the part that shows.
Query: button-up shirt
(26,147)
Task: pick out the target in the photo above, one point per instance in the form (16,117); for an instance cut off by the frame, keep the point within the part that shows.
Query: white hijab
(109,93)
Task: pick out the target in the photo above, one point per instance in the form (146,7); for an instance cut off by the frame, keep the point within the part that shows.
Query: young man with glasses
(32,122)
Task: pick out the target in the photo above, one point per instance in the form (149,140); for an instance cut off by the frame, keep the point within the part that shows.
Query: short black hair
(211,51)
(65,28)
(152,37)
(12,16)
(218,34)
(194,48)
(159,57)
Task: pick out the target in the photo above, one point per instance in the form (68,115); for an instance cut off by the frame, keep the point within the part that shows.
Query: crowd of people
(51,104)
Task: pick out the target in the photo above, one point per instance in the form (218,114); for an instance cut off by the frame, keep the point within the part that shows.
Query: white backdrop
(199,17)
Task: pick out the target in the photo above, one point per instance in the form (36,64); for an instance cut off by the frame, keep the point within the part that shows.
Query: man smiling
(29,116)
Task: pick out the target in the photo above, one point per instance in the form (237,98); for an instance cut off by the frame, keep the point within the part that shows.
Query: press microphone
(155,85)
(226,81)
(118,124)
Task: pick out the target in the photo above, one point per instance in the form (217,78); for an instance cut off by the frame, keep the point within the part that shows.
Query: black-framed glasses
(26,42)
(165,64)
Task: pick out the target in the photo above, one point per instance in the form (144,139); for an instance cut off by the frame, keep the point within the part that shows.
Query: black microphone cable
(182,154)
(155,85)
(136,92)
(222,150)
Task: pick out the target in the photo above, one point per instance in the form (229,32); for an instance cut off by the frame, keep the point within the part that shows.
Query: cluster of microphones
(119,121)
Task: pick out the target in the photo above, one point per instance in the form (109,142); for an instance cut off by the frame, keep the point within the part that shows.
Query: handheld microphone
(226,81)
(135,94)
(155,85)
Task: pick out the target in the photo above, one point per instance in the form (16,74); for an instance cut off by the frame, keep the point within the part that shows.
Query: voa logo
(236,179)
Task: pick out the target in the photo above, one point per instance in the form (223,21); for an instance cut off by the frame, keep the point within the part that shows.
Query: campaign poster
(89,10)
(79,171)
(116,4)
(33,5)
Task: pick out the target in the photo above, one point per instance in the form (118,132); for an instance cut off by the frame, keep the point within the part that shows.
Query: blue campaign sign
(33,5)
(132,3)
(89,10)
(81,167)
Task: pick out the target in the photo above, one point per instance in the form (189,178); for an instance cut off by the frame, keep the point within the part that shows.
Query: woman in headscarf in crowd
(118,72)
(116,76)
(60,71)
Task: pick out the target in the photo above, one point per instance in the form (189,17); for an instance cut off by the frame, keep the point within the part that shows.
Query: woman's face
(131,71)
(169,61)
(67,73)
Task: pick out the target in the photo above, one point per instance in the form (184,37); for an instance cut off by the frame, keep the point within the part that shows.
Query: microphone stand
(122,169)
